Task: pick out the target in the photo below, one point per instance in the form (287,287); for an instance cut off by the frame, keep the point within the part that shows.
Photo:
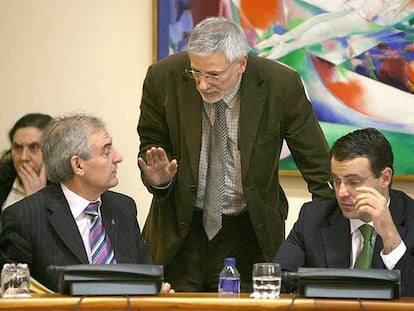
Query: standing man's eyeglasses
(210,77)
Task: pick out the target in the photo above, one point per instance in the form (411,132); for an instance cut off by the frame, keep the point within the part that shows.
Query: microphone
(288,276)
(345,282)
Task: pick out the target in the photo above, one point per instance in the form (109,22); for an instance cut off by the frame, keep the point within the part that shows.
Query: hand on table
(166,288)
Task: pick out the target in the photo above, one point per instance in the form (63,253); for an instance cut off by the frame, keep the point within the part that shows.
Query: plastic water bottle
(229,279)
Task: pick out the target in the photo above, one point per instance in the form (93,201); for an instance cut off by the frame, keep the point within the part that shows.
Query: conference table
(199,302)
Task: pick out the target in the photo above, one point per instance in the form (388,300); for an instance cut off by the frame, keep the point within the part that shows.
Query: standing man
(212,125)
(332,234)
(76,220)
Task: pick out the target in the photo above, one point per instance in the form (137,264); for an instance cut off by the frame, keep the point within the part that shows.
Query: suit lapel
(64,224)
(110,222)
(337,249)
(397,208)
(190,109)
(252,102)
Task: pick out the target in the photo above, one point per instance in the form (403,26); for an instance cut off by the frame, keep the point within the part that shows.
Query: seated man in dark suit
(327,234)
(54,226)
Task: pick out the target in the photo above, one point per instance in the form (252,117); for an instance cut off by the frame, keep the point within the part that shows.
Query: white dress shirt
(16,194)
(77,206)
(389,260)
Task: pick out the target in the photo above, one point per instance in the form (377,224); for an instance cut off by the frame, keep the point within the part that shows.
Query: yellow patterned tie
(364,258)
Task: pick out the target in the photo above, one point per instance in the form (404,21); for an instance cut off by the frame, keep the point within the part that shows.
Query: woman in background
(21,167)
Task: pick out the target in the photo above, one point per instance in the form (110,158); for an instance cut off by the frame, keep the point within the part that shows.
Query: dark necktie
(102,252)
(214,194)
(364,258)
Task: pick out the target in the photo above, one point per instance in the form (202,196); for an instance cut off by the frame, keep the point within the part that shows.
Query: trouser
(197,265)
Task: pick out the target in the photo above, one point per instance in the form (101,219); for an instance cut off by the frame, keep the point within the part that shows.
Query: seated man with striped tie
(369,225)
(75,220)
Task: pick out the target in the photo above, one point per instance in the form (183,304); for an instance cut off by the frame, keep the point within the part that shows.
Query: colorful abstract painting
(355,57)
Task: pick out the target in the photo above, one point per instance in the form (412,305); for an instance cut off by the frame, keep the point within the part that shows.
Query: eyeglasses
(210,77)
(351,183)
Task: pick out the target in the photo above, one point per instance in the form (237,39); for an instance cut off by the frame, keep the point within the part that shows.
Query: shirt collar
(356,223)
(229,98)
(76,203)
(18,187)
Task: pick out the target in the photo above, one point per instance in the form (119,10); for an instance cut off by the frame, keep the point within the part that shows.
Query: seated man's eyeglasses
(210,77)
(351,183)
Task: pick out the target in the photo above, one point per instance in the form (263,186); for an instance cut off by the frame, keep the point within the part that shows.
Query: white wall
(57,56)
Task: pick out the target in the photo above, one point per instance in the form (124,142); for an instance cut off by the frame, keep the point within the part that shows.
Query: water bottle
(229,279)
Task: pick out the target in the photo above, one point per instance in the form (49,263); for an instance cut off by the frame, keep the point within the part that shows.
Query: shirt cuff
(391,259)
(164,186)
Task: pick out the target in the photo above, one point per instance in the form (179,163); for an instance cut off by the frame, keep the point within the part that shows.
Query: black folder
(116,279)
(349,283)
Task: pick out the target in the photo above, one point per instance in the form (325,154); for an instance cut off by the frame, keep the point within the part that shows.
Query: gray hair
(65,137)
(215,35)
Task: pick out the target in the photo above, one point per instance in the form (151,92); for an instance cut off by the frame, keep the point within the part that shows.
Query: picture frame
(353,80)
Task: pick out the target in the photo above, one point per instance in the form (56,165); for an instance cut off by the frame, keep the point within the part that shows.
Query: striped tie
(102,252)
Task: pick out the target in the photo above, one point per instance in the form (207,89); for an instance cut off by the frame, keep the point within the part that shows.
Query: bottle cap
(229,261)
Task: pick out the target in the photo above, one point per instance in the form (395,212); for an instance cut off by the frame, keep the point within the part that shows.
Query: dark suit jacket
(4,191)
(41,231)
(321,238)
(273,107)
(7,176)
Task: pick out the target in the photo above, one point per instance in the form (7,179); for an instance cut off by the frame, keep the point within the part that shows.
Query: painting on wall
(355,57)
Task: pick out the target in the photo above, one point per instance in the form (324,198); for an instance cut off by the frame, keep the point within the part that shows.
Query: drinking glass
(15,280)
(267,278)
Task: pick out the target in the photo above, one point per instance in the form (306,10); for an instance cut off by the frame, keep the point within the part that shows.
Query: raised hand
(157,168)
